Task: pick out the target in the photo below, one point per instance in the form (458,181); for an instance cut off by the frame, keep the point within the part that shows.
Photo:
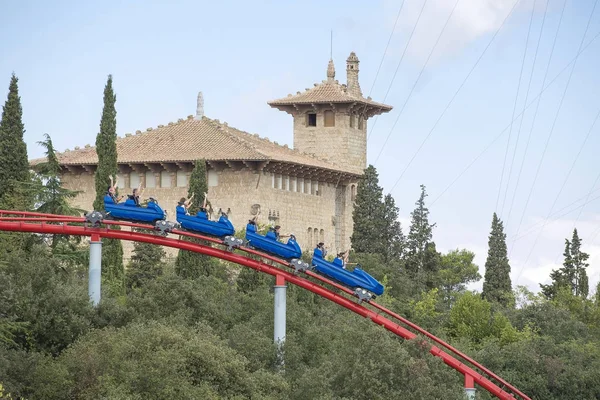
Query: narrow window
(150,181)
(353,192)
(213,178)
(322,235)
(134,180)
(293,185)
(311,119)
(181,178)
(301,185)
(329,118)
(273,181)
(307,186)
(360,122)
(351,121)
(286,184)
(309,234)
(165,179)
(316,237)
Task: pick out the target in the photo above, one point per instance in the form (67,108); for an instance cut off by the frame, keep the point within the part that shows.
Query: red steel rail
(47,223)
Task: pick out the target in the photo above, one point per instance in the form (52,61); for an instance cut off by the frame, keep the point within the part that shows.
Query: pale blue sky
(242,54)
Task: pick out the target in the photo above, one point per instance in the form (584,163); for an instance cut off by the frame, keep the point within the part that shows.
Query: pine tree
(14,166)
(393,237)
(497,285)
(190,264)
(419,235)
(106,148)
(573,272)
(368,214)
(50,196)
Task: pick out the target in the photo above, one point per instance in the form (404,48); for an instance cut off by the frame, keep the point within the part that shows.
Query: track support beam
(279,317)
(469,387)
(95,270)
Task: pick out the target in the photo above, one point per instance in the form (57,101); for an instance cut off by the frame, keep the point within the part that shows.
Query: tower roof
(330,91)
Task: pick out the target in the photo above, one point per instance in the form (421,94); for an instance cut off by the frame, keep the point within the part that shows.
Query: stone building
(308,190)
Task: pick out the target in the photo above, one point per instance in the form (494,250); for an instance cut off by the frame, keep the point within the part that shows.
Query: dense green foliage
(497,286)
(14,165)
(106,148)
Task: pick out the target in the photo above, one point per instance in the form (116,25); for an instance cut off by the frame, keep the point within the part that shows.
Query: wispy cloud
(471,20)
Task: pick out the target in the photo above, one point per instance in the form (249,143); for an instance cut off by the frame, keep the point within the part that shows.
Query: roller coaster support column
(469,387)
(95,271)
(280,316)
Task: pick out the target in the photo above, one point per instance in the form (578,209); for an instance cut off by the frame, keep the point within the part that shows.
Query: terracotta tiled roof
(192,139)
(328,91)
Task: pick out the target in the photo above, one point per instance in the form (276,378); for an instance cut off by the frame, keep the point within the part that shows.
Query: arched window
(316,237)
(309,237)
(322,236)
(353,192)
(329,118)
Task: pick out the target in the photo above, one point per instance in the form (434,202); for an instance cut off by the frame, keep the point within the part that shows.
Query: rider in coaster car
(344,257)
(277,234)
(186,203)
(321,246)
(136,195)
(112,190)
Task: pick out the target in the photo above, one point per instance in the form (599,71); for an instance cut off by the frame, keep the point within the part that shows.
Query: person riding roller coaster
(186,203)
(135,196)
(112,190)
(343,256)
(321,246)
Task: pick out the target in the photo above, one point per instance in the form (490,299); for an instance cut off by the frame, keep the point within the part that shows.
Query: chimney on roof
(200,106)
(352,76)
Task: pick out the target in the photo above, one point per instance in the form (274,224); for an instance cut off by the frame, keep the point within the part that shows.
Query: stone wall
(281,203)
(342,144)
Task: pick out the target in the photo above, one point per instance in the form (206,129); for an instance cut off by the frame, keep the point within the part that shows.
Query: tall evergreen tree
(190,264)
(573,272)
(50,196)
(106,148)
(368,214)
(419,235)
(394,239)
(14,166)
(497,285)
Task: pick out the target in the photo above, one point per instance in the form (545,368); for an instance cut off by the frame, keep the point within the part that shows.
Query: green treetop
(14,166)
(368,214)
(497,285)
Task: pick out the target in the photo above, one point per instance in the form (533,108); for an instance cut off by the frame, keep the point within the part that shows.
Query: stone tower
(330,119)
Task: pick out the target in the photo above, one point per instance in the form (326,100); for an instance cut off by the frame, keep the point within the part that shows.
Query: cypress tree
(393,236)
(419,235)
(14,166)
(106,148)
(573,272)
(189,264)
(497,286)
(368,214)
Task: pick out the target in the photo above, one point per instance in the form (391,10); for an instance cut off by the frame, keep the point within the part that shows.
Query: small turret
(352,75)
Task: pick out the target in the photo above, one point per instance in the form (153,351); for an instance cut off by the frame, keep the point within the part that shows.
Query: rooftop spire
(330,71)
(200,106)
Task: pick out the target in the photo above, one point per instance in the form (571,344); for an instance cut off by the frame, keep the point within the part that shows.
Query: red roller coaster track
(17,221)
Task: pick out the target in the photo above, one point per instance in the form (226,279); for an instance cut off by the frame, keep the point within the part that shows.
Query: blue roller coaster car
(357,279)
(270,244)
(200,223)
(131,212)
